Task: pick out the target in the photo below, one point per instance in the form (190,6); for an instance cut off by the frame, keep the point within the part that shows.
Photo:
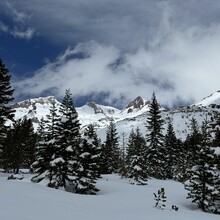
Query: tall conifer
(67,139)
(111,149)
(154,140)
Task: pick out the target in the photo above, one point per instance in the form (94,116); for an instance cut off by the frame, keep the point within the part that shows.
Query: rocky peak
(32,102)
(95,107)
(138,103)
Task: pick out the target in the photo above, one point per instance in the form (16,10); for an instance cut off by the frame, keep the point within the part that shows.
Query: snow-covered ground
(117,200)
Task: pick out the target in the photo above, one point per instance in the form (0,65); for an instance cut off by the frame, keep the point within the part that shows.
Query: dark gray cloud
(126,24)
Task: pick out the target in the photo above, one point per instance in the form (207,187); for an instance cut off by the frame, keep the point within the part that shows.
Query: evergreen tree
(6,93)
(174,155)
(19,146)
(6,96)
(88,163)
(67,139)
(45,147)
(180,170)
(154,139)
(216,134)
(170,142)
(122,156)
(204,175)
(111,149)
(193,141)
(136,158)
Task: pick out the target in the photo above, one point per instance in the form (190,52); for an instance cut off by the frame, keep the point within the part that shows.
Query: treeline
(63,157)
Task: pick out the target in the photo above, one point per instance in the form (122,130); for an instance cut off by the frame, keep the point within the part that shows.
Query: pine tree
(122,156)
(45,147)
(88,163)
(216,134)
(19,146)
(180,170)
(6,93)
(136,158)
(193,141)
(6,96)
(170,142)
(154,139)
(67,139)
(111,149)
(204,175)
(174,154)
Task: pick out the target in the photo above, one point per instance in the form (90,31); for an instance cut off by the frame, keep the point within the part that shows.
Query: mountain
(211,100)
(99,115)
(132,116)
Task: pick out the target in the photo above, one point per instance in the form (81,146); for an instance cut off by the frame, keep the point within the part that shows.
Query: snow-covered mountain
(213,99)
(99,115)
(132,116)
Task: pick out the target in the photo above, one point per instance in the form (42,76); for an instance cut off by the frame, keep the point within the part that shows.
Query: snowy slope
(117,200)
(213,99)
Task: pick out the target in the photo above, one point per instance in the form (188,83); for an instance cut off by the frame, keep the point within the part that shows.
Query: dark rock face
(95,107)
(137,103)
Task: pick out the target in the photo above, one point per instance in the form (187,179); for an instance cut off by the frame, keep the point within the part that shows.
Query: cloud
(27,34)
(17,16)
(184,67)
(170,47)
(3,27)
(18,27)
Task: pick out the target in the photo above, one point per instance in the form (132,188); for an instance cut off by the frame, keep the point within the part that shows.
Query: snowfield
(117,200)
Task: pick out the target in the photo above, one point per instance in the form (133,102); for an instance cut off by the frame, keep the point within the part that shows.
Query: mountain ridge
(133,115)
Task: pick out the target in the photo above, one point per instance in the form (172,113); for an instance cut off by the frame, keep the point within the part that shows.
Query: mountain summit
(137,104)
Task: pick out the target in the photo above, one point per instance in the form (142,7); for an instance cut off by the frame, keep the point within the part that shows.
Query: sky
(111,51)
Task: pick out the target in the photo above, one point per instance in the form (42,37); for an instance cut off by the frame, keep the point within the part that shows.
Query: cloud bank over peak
(182,69)
(121,49)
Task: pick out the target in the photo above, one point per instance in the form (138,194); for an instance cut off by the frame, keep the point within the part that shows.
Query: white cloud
(18,28)
(3,27)
(170,47)
(184,66)
(18,16)
(27,34)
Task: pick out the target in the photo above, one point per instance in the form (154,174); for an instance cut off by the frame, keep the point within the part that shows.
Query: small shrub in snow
(160,199)
(175,208)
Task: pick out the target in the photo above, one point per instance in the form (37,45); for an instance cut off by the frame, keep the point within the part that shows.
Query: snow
(217,151)
(100,116)
(212,99)
(56,161)
(117,200)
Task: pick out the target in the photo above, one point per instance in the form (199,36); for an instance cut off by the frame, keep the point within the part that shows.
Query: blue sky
(112,51)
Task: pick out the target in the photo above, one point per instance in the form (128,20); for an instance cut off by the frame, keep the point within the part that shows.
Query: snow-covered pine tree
(111,149)
(67,139)
(203,176)
(170,143)
(192,142)
(122,156)
(155,140)
(136,158)
(174,153)
(88,163)
(180,169)
(215,124)
(6,96)
(45,147)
